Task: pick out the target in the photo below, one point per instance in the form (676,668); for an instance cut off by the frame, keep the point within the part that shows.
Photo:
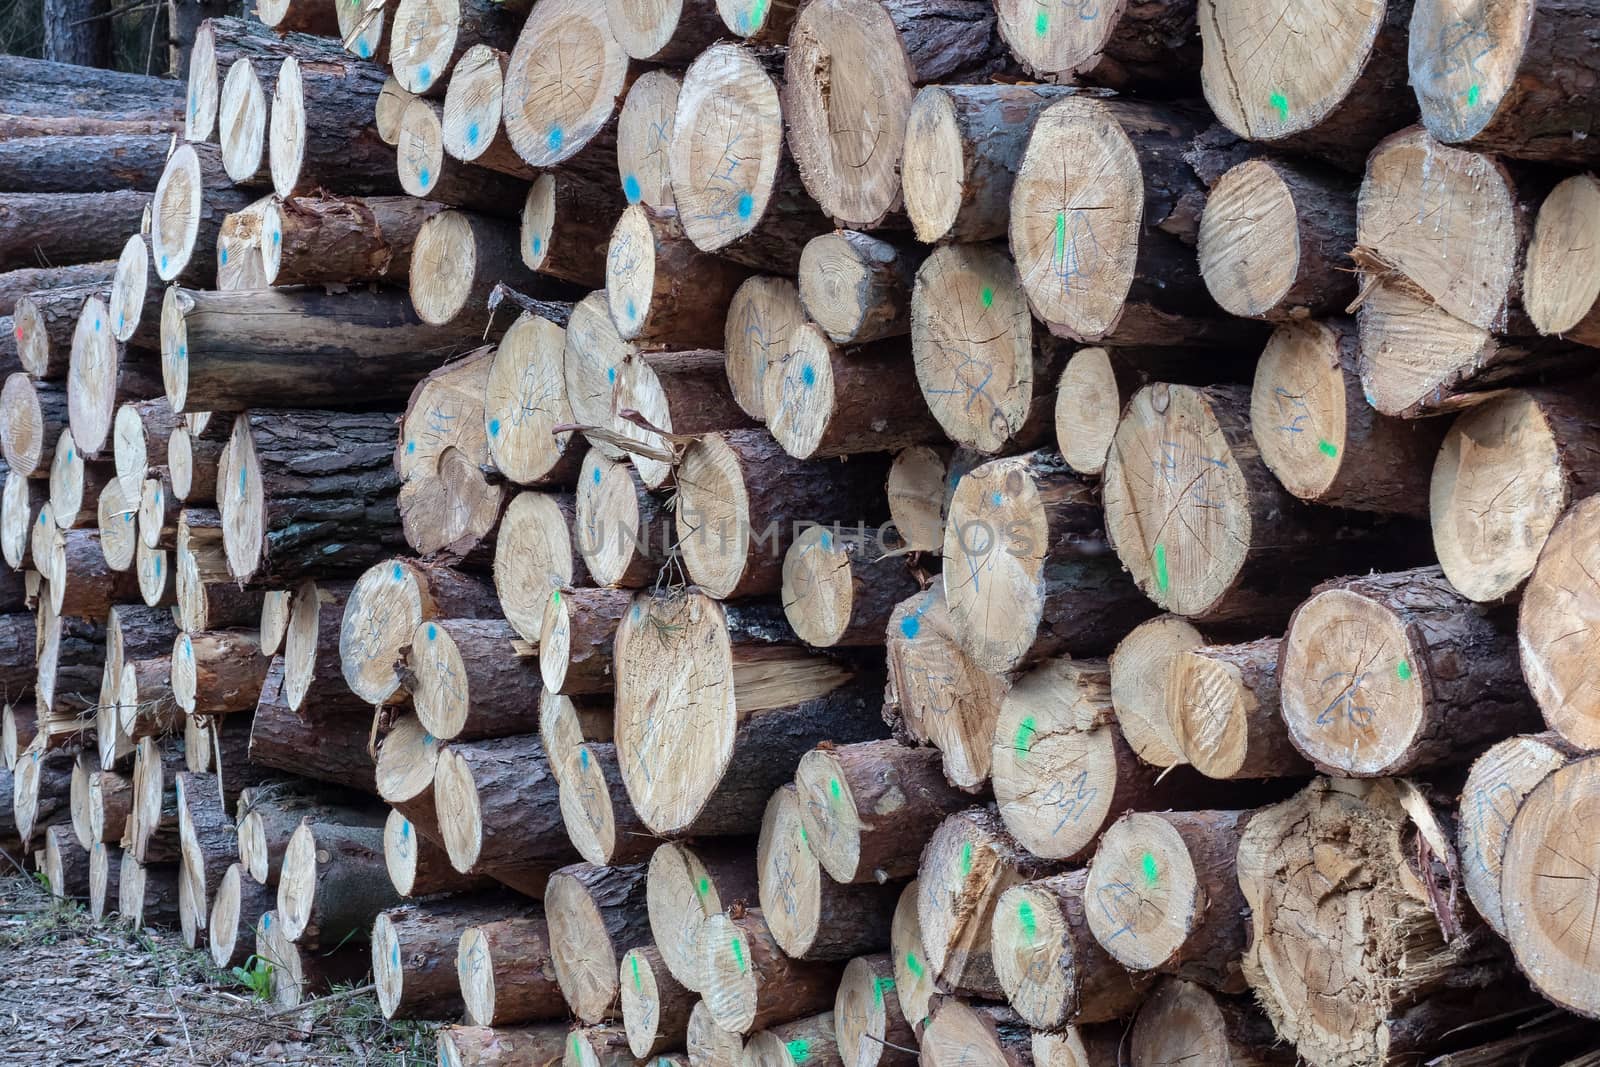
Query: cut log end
(243,109)
(550,115)
(1561,282)
(644,134)
(1249,240)
(1559,626)
(1146,897)
(175,214)
(1088,405)
(525,399)
(761,318)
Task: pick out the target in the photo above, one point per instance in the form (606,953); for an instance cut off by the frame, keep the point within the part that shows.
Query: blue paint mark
(597,476)
(747,204)
(827,541)
(538,245)
(630,189)
(808,375)
(163,263)
(69,455)
(910,625)
(363,49)
(433,632)
(266,921)
(429,739)
(183,351)
(405,829)
(494,427)
(995,500)
(424,176)
(398,573)
(424,75)
(411,446)
(277,238)
(611,375)
(555,138)
(633,312)
(122,321)
(42,519)
(158,566)
(472,134)
(128,517)
(241,485)
(96,325)
(224,255)
(397,955)
(583,758)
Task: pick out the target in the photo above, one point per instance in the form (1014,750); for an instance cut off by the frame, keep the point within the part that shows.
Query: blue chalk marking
(183,351)
(747,204)
(611,375)
(910,625)
(424,176)
(555,138)
(494,427)
(397,572)
(538,245)
(397,955)
(97,325)
(411,446)
(597,476)
(630,189)
(241,484)
(827,541)
(224,257)
(122,321)
(995,500)
(266,921)
(583,758)
(472,134)
(424,75)
(158,566)
(163,263)
(433,632)
(405,829)
(808,375)
(363,49)
(69,455)
(633,312)
(277,238)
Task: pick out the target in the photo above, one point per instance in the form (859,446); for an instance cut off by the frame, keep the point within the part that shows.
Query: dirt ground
(73,991)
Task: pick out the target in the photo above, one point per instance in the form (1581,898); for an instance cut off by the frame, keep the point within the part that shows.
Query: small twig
(344,994)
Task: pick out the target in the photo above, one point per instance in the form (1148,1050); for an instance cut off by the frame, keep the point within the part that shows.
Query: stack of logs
(813,535)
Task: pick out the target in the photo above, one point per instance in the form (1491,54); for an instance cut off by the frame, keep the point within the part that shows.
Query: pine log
(191,201)
(239,350)
(407,762)
(313,672)
(207,846)
(21,504)
(1103,242)
(80,582)
(218,672)
(812,917)
(737,493)
(661,289)
(457,259)
(18,282)
(472,131)
(744,204)
(448,506)
(1517,82)
(750,984)
(326,238)
(685,887)
(855,50)
(1496,785)
(1506,472)
(1166,898)
(1141,684)
(936,695)
(36,416)
(869,1025)
(1206,484)
(1052,969)
(38,87)
(76,483)
(624,532)
(1274,240)
(434,37)
(102,374)
(1329,86)
(219,44)
(655,1006)
(505,973)
(239,903)
(1137,44)
(140,433)
(963,145)
(1559,291)
(332,747)
(990,1033)
(483,1046)
(499,807)
(1373,669)
(565,724)
(88,164)
(423,171)
(321,133)
(1223,711)
(41,791)
(1319,436)
(680,393)
(414,954)
(701,765)
(762,315)
(243,118)
(333,884)
(713,1046)
(970,861)
(1027,536)
(62,228)
(269,815)
(105,880)
(1062,770)
(525,398)
(982,371)
(44,323)
(470,681)
(566,226)
(867,808)
(66,864)
(536,554)
(594,357)
(1555,610)
(600,820)
(208,598)
(299,975)
(418,865)
(596,915)
(644,135)
(838,590)
(575,641)
(549,117)
(152,830)
(154,574)
(857,287)
(1400,993)
(808,1040)
(192,464)
(1181,1019)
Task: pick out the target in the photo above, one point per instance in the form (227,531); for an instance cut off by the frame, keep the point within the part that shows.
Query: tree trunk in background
(78,31)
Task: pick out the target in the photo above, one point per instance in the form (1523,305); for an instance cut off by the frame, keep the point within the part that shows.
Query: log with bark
(332,885)
(66,864)
(684,888)
(499,810)
(702,764)
(661,289)
(152,830)
(423,171)
(326,238)
(624,532)
(471,127)
(418,865)
(191,202)
(655,1006)
(1223,711)
(505,972)
(501,1046)
(219,44)
(840,590)
(239,903)
(299,975)
(1128,45)
(321,134)
(750,984)
(644,133)
(812,917)
(600,820)
(237,350)
(857,287)
(525,398)
(448,506)
(39,87)
(712,1044)
(1182,1019)
(1555,627)
(1517,81)
(105,880)
(1386,674)
(218,672)
(433,37)
(567,218)
(62,228)
(763,313)
(206,845)
(575,640)
(596,915)
(1558,288)
(44,322)
(536,554)
(742,203)
(469,682)
(1330,86)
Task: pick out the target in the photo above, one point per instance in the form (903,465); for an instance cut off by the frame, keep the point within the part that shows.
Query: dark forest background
(145,36)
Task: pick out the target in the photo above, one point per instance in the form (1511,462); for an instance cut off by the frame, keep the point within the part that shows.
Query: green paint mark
(758,14)
(1328,448)
(705,886)
(1041,23)
(556,596)
(878,986)
(576,1050)
(1403,669)
(1061,236)
(913,964)
(1025,731)
(738,955)
(1162,579)
(1281,102)
(834,785)
(799,1050)
(805,836)
(966,859)
(633,959)
(1472,96)
(988,296)
(1030,929)
(1150,872)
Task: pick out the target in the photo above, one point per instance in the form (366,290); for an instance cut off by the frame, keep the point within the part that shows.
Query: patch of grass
(358,1024)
